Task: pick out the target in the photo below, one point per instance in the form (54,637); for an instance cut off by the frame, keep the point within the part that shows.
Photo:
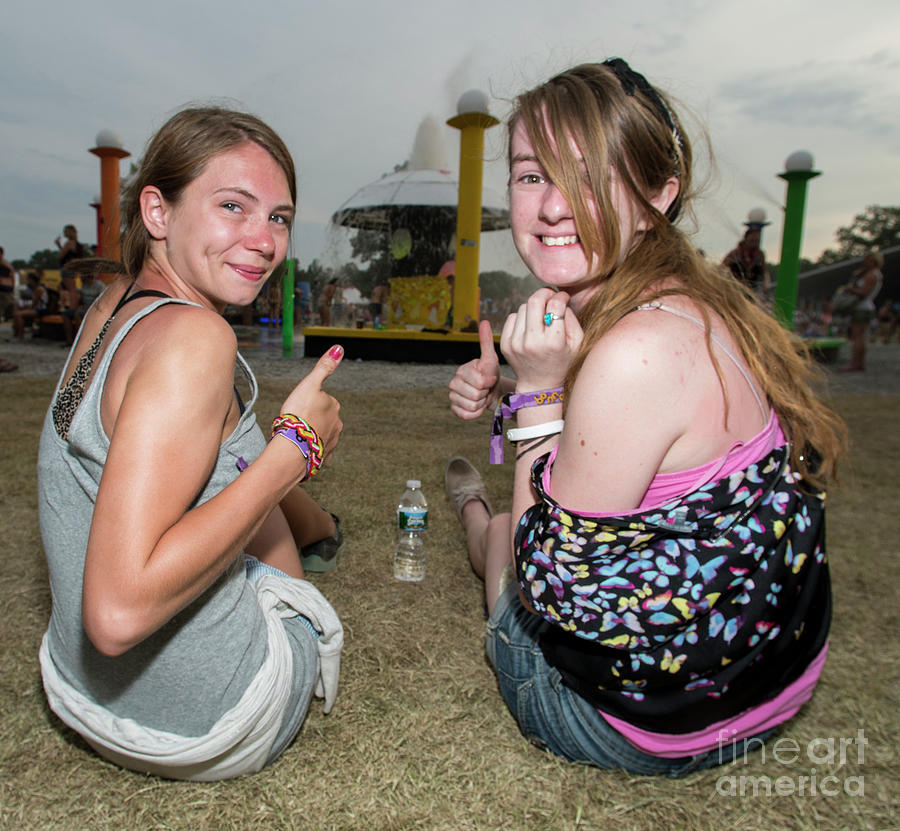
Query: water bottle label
(412,520)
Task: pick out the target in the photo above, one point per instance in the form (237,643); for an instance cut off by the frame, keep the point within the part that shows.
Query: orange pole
(108,239)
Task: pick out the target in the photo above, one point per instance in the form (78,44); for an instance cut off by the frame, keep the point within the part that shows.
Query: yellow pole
(468,214)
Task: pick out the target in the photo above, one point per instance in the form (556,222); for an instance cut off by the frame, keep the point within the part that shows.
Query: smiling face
(543,222)
(229,229)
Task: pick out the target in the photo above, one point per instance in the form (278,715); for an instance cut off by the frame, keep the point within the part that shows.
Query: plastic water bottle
(412,522)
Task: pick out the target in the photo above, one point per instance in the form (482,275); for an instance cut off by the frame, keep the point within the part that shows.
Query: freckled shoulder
(643,342)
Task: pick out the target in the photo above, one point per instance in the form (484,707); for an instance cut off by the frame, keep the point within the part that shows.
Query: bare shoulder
(643,344)
(177,351)
(189,335)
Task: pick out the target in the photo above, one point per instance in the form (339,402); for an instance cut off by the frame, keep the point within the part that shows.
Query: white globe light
(472,101)
(799,160)
(108,138)
(756,215)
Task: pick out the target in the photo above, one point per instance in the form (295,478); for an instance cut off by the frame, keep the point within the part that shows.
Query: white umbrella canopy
(411,198)
(415,207)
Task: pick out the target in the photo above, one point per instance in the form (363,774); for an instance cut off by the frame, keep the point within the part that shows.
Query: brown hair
(619,123)
(177,155)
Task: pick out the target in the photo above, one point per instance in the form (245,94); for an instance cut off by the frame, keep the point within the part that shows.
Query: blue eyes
(278,219)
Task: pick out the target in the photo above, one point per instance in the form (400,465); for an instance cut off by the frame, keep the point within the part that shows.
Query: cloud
(814,94)
(347,84)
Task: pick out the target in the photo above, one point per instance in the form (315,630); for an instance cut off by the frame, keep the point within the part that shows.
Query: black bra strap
(127,298)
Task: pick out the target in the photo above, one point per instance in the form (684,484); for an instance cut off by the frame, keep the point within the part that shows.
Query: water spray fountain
(420,209)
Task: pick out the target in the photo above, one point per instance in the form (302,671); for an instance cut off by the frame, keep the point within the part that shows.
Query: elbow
(112,630)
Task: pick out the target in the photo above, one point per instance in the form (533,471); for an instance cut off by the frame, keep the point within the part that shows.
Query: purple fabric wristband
(509,404)
(302,445)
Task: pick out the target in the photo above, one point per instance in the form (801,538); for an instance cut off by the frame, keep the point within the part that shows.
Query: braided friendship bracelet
(301,433)
(509,404)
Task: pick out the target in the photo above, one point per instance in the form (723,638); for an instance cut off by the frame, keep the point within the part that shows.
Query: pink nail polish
(336,351)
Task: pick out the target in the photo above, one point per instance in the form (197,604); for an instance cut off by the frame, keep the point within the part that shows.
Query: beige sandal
(463,484)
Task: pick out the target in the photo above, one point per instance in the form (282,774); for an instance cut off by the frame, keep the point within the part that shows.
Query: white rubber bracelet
(548,428)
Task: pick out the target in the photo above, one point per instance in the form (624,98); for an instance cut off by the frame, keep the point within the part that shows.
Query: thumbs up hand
(314,405)
(475,386)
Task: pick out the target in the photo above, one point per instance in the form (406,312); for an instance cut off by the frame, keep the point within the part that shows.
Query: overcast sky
(346,83)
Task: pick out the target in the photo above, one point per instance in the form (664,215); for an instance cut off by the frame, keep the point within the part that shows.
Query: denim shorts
(302,636)
(554,717)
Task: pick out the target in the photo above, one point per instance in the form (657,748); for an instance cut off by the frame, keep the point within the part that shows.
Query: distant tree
(877,227)
(374,248)
(501,284)
(431,231)
(830,256)
(48,258)
(316,274)
(497,284)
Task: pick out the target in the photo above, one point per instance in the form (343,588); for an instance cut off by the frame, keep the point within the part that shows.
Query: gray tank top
(187,674)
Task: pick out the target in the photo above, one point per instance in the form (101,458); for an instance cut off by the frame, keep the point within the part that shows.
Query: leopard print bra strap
(72,392)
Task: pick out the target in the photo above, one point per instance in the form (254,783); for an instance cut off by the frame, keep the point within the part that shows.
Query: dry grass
(419,737)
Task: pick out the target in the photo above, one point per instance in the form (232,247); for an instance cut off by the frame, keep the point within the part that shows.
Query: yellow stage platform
(399,345)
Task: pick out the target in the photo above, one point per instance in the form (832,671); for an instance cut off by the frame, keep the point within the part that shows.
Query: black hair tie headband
(632,82)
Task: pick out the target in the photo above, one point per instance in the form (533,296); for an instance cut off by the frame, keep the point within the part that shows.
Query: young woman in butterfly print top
(669,589)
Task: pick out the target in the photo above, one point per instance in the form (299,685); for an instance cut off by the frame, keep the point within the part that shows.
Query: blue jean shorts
(554,717)
(302,636)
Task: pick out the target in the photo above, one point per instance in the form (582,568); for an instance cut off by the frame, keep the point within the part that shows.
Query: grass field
(419,738)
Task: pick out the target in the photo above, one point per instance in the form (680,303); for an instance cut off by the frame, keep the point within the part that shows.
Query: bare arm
(648,400)
(150,554)
(69,245)
(625,413)
(540,356)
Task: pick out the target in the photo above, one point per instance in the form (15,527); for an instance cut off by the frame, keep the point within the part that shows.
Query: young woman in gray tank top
(161,502)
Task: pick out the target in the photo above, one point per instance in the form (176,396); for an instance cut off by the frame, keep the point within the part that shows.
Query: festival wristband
(301,433)
(547,428)
(509,404)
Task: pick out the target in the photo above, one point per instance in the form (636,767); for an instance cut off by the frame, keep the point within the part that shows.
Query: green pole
(287,310)
(789,267)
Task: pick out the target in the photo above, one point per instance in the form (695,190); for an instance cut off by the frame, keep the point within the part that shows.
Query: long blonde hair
(618,122)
